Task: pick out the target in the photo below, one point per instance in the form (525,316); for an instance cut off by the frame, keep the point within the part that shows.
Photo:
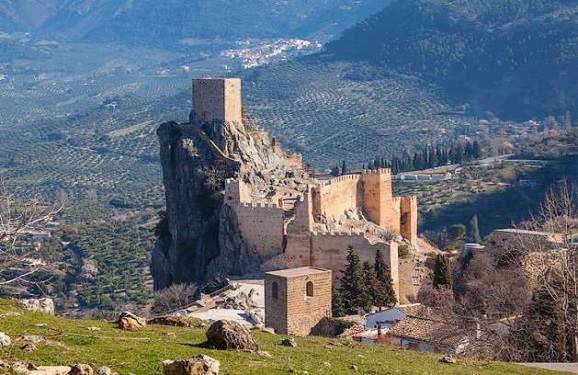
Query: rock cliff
(199,238)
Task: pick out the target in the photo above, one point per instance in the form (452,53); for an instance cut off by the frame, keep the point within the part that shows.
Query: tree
(371,286)
(176,296)
(457,232)
(18,268)
(384,295)
(441,276)
(338,305)
(475,230)
(352,281)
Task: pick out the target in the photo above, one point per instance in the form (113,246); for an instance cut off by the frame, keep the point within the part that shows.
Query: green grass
(142,352)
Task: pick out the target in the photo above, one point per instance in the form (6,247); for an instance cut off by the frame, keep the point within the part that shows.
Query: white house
(387,319)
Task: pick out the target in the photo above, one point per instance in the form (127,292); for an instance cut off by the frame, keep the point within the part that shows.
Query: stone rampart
(333,197)
(262,225)
(329,250)
(409,218)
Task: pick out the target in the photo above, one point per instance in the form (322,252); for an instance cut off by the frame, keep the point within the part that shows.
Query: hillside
(517,59)
(164,23)
(70,342)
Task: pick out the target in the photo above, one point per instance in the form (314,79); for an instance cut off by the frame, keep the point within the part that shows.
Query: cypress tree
(352,282)
(384,295)
(370,288)
(441,276)
(338,305)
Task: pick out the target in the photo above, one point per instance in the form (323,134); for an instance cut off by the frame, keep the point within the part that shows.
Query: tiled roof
(428,330)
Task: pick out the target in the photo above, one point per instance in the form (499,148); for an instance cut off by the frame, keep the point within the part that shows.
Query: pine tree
(475,230)
(343,167)
(441,276)
(384,295)
(352,282)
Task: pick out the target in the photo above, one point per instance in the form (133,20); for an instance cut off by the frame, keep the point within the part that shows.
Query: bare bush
(176,296)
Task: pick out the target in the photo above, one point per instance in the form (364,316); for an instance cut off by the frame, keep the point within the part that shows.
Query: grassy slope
(142,352)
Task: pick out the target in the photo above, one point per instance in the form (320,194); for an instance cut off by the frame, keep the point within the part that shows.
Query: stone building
(217,99)
(297,299)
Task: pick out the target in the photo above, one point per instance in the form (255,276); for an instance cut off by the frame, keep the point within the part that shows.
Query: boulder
(289,342)
(130,322)
(5,340)
(104,370)
(30,347)
(47,370)
(45,305)
(199,365)
(81,369)
(448,359)
(230,335)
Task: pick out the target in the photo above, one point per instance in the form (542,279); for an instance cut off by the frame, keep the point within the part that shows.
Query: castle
(302,222)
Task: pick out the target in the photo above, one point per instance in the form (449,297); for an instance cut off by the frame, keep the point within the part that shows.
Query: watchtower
(296,299)
(378,201)
(217,99)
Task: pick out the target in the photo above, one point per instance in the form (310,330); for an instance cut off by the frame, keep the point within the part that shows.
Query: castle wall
(262,225)
(330,251)
(336,196)
(294,312)
(236,192)
(217,99)
(409,219)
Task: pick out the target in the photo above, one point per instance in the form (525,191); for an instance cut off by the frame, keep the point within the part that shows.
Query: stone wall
(262,225)
(336,196)
(294,312)
(378,202)
(329,250)
(217,99)
(236,192)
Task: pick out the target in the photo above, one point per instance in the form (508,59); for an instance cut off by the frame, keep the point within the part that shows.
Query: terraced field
(326,113)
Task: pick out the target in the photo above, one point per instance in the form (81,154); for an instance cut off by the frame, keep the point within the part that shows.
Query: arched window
(309,289)
(274,290)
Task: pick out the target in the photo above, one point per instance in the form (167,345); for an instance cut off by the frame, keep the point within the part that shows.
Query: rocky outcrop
(199,238)
(230,335)
(43,304)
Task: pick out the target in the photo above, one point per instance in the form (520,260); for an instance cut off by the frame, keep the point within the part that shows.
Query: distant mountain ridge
(153,21)
(516,58)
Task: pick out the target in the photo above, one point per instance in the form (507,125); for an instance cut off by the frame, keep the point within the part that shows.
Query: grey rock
(198,365)
(130,322)
(35,339)
(289,342)
(30,347)
(5,340)
(81,369)
(104,371)
(230,335)
(45,305)
(447,359)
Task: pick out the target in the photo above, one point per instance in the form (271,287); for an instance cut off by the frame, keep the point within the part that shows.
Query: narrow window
(274,290)
(309,289)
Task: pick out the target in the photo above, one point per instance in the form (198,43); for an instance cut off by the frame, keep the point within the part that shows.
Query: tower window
(274,290)
(309,289)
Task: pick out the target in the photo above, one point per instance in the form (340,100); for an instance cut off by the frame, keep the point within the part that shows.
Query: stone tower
(296,299)
(378,202)
(409,219)
(217,99)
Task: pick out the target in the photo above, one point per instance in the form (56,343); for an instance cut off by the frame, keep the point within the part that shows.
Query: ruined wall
(262,225)
(217,99)
(294,312)
(298,247)
(330,251)
(409,219)
(336,196)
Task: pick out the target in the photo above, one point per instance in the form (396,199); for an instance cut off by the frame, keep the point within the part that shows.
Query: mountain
(516,58)
(168,21)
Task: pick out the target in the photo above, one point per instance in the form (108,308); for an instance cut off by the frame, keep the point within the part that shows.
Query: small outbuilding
(296,299)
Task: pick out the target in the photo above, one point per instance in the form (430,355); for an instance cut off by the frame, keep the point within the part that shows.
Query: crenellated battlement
(259,205)
(339,234)
(385,171)
(336,180)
